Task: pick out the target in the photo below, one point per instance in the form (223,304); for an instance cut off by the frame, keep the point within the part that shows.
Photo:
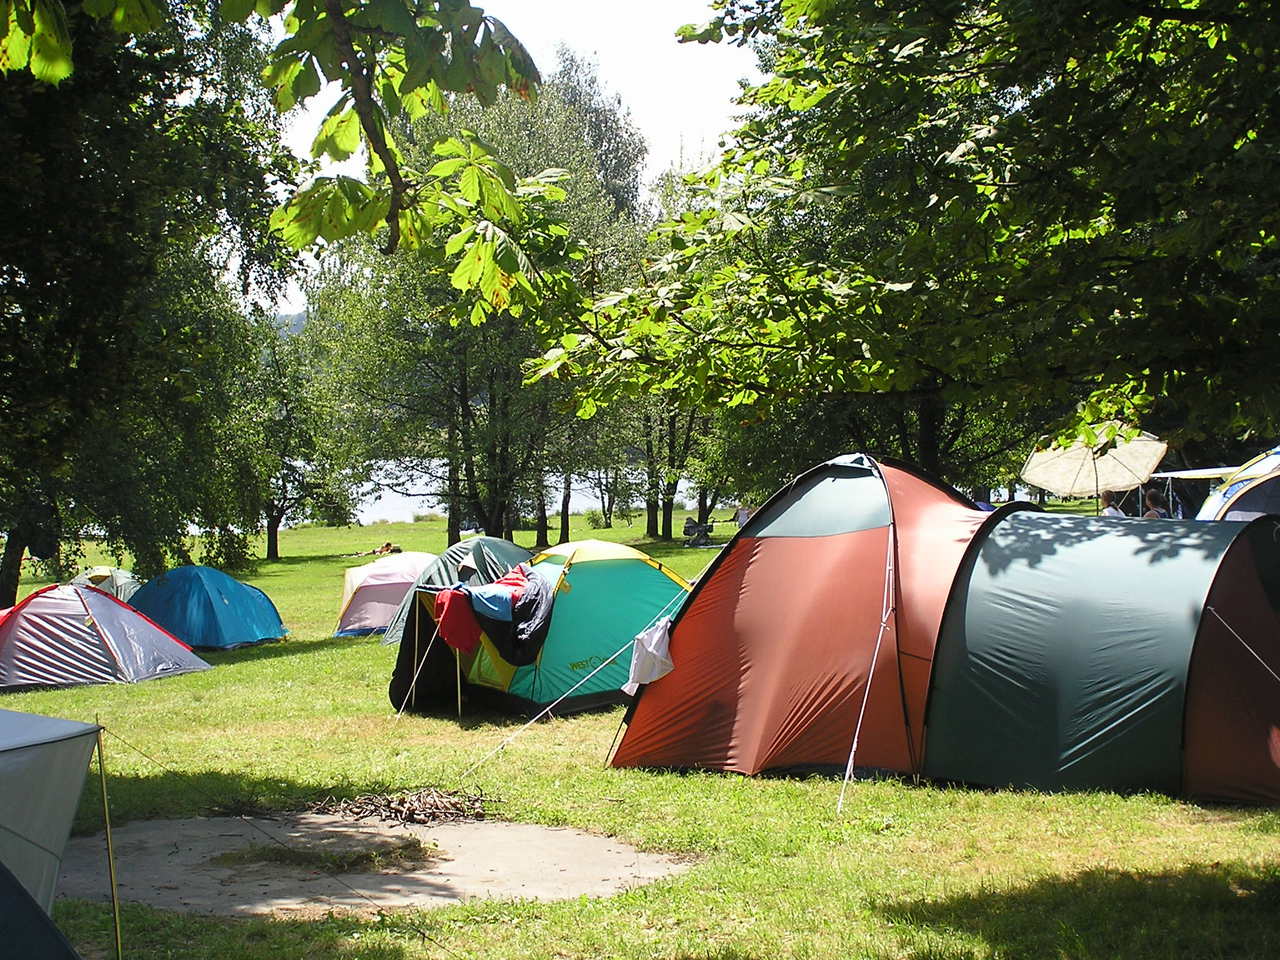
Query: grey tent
(121,584)
(489,557)
(43,761)
(65,635)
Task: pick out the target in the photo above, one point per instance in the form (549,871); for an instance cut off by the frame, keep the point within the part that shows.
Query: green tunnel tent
(1083,652)
(602,595)
(1017,648)
(487,559)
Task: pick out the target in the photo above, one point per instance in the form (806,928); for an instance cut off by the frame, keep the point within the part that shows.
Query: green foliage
(123,350)
(422,387)
(1069,206)
(594,519)
(393,57)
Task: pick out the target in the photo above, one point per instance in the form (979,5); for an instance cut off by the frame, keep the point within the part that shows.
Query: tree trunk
(495,520)
(11,567)
(930,434)
(453,506)
(1041,495)
(607,489)
(668,506)
(703,510)
(274,519)
(982,494)
(1013,492)
(543,524)
(651,481)
(566,495)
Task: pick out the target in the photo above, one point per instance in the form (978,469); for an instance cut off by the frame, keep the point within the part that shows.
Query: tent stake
(111,853)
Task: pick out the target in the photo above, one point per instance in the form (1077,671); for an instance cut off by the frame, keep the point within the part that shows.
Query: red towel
(458,626)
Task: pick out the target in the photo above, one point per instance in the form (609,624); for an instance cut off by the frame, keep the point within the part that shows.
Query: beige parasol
(1081,470)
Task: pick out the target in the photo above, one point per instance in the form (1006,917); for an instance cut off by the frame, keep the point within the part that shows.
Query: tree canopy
(138,197)
(1070,202)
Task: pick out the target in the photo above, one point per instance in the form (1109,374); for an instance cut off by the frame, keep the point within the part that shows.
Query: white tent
(65,635)
(43,761)
(372,593)
(121,584)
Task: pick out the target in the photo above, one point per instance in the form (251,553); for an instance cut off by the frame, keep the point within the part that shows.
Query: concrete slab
(167,864)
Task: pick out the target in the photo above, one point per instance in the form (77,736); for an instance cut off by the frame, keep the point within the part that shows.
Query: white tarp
(43,762)
(649,657)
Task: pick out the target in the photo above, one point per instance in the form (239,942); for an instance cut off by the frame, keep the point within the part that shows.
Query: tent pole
(457,659)
(111,853)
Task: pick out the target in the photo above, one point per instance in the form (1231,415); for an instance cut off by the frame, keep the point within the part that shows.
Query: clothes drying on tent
(121,584)
(990,648)
(209,609)
(471,562)
(372,592)
(65,635)
(599,594)
(43,762)
(513,612)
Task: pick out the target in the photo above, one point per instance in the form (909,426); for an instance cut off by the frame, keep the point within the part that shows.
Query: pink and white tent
(70,634)
(372,593)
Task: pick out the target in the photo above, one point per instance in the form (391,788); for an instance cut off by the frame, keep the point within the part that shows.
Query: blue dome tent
(207,609)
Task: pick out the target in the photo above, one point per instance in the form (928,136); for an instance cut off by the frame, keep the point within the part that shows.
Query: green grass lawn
(907,871)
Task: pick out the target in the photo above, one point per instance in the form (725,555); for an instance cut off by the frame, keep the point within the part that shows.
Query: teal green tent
(1081,652)
(602,595)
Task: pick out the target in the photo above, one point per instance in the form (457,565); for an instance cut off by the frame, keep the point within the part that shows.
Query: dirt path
(227,866)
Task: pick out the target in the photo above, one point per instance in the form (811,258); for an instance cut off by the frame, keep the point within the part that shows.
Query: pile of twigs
(427,805)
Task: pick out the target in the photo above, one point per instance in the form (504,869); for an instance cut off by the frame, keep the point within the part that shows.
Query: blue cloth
(493,600)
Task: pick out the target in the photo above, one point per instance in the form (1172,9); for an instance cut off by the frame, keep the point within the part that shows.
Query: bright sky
(680,95)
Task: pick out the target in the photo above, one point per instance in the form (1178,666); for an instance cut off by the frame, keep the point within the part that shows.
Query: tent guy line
(1245,644)
(551,706)
(409,695)
(887,608)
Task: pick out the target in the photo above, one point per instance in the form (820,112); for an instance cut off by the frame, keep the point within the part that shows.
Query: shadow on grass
(1206,910)
(149,933)
(172,794)
(281,648)
(473,716)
